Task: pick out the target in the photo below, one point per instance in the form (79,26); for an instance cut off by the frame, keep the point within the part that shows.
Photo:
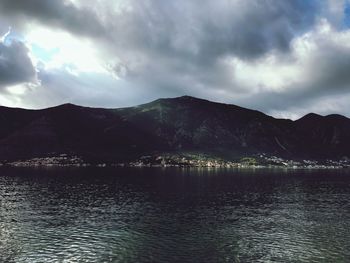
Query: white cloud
(3,38)
(60,49)
(335,10)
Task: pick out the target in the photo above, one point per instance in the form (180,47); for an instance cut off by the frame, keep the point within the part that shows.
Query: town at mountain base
(183,131)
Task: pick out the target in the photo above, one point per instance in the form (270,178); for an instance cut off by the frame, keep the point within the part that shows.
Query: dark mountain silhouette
(177,125)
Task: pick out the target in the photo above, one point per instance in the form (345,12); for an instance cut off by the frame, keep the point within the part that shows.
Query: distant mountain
(179,125)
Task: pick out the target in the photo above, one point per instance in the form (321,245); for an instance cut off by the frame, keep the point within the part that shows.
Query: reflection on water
(174,215)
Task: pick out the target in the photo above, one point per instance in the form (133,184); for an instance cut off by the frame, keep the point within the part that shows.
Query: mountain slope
(187,123)
(96,134)
(326,135)
(183,124)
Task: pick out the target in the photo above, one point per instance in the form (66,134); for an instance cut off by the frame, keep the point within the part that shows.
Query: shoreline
(180,161)
(121,165)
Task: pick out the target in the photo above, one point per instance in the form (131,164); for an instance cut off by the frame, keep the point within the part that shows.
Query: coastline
(181,161)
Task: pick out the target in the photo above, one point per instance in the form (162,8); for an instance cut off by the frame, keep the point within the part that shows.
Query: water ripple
(152,215)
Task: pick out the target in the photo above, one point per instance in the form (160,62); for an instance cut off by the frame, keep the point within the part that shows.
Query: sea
(174,215)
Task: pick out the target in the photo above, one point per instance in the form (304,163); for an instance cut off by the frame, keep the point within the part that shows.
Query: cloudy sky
(283,57)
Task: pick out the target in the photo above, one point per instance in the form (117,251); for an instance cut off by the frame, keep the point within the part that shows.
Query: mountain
(95,134)
(178,125)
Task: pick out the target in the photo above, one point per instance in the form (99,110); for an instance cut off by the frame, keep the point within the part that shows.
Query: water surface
(174,215)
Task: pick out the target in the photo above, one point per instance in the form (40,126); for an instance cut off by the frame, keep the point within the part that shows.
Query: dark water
(174,215)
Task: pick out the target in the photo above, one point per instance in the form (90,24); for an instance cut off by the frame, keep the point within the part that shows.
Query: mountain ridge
(169,125)
(69,104)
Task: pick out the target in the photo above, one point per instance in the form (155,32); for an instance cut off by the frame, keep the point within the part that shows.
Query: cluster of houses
(61,160)
(189,160)
(261,161)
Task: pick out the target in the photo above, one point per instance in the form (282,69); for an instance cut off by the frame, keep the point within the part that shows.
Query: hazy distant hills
(177,125)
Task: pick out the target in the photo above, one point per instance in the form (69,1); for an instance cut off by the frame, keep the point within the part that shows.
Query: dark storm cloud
(325,75)
(329,68)
(182,45)
(249,29)
(15,64)
(59,13)
(201,32)
(202,29)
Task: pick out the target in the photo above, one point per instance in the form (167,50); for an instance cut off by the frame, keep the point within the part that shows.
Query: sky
(283,57)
